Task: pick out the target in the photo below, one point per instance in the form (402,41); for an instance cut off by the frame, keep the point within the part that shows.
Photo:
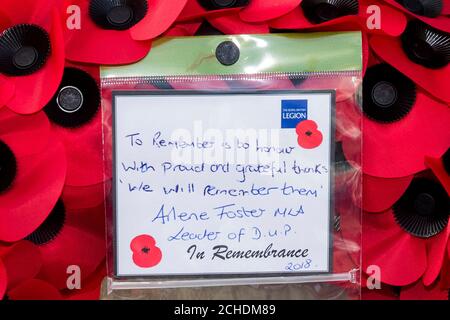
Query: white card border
(192,276)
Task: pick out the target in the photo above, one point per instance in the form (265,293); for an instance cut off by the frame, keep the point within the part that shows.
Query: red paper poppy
(418,291)
(104,36)
(263,10)
(381,193)
(31,52)
(162,14)
(405,125)
(21,262)
(86,197)
(431,13)
(386,292)
(75,112)
(70,237)
(231,23)
(145,252)
(6,90)
(183,29)
(409,240)
(441,168)
(33,165)
(34,289)
(433,80)
(3,280)
(325,15)
(194,9)
(90,288)
(223,15)
(309,136)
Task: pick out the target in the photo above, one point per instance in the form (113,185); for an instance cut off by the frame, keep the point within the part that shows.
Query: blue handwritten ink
(182,235)
(173,215)
(288,190)
(134,140)
(283,212)
(228,211)
(141,187)
(143,167)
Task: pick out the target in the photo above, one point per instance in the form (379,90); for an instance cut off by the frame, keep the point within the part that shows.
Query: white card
(222,183)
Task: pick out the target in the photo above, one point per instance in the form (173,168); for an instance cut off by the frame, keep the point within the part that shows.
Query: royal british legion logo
(292,112)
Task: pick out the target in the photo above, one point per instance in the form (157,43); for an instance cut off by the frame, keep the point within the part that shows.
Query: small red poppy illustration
(145,252)
(309,136)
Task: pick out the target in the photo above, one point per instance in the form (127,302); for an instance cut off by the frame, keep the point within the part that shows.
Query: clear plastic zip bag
(228,175)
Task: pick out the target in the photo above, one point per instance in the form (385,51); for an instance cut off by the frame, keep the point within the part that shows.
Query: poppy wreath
(52,184)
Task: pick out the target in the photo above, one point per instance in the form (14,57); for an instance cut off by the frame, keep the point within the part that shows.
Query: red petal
(440,22)
(437,250)
(81,242)
(381,193)
(32,92)
(147,260)
(7,90)
(262,10)
(162,14)
(436,165)
(385,293)
(34,289)
(183,29)
(37,11)
(36,188)
(435,81)
(25,135)
(85,197)
(90,289)
(193,10)
(22,261)
(102,46)
(392,22)
(397,149)
(141,241)
(84,152)
(444,280)
(295,19)
(3,280)
(418,291)
(446,8)
(401,257)
(232,24)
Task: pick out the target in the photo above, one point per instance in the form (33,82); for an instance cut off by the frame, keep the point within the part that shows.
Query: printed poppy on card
(31,52)
(104,35)
(32,172)
(145,252)
(309,136)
